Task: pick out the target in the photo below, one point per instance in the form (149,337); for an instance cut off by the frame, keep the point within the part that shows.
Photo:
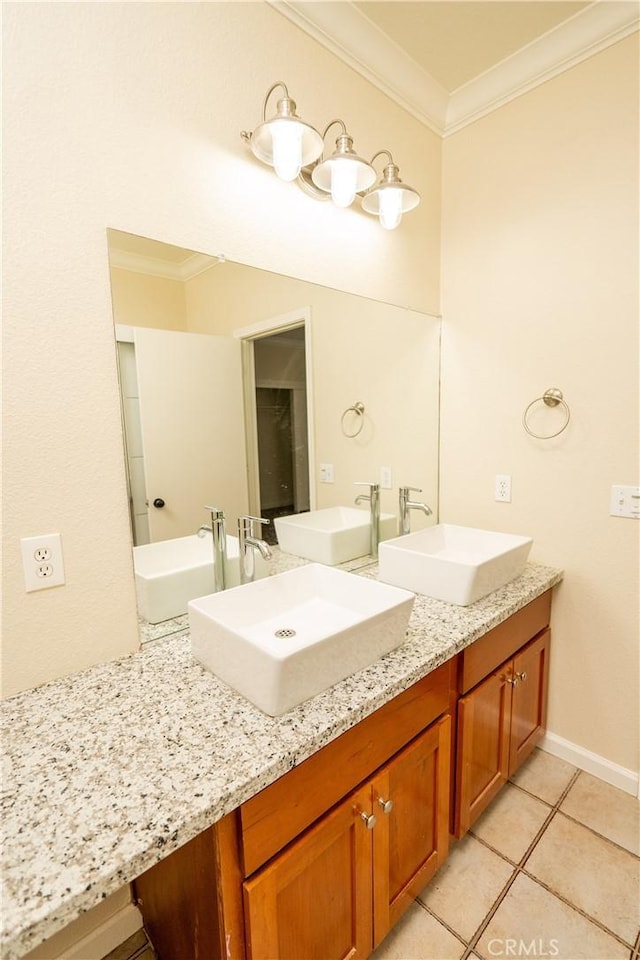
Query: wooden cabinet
(502,716)
(337,890)
(410,839)
(314,899)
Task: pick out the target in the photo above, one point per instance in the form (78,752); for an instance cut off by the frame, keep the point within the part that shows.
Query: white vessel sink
(456,564)
(169,573)
(284,639)
(333,535)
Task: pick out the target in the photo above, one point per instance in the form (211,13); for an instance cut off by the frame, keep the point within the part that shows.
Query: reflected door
(192,424)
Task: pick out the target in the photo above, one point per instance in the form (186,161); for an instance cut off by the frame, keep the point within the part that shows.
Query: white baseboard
(108,935)
(592,763)
(95,933)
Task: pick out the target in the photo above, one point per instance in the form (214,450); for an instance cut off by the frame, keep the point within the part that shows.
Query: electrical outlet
(42,562)
(385,478)
(503,488)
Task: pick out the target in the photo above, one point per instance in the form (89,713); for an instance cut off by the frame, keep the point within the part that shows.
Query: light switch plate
(326,473)
(625,501)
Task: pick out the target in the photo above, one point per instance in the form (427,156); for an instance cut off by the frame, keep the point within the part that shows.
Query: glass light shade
(286,144)
(343,175)
(389,201)
(287,148)
(390,208)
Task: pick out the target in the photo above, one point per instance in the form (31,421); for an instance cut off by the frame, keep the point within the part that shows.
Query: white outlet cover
(503,488)
(42,562)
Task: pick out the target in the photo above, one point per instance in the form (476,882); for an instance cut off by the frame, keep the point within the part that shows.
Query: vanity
(230,823)
(324,861)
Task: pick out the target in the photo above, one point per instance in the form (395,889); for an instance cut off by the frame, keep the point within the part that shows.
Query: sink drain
(284,632)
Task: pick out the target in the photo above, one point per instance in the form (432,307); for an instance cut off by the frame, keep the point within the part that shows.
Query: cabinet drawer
(284,809)
(487,653)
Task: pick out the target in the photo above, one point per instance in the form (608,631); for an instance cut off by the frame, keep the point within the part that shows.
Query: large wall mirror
(238,388)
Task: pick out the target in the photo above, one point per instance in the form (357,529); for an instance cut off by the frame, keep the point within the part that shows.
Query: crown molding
(347,33)
(154,267)
(351,36)
(583,35)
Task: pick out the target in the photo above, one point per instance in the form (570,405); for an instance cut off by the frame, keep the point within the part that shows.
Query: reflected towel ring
(358,409)
(551,397)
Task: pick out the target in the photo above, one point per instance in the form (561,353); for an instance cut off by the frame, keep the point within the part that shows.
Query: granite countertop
(107,771)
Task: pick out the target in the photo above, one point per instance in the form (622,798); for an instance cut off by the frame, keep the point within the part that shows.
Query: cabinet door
(314,899)
(529,700)
(410,839)
(483,746)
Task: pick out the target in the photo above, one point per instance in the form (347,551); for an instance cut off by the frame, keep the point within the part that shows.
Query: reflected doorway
(281,425)
(277,375)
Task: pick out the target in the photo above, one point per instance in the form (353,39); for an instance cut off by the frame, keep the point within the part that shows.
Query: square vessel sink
(456,564)
(333,535)
(282,640)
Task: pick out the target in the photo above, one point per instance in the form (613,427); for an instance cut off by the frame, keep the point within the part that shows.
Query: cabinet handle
(522,676)
(512,680)
(369,820)
(387,805)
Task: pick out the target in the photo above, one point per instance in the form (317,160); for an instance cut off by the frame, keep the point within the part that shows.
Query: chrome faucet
(219,533)
(248,543)
(374,501)
(405,505)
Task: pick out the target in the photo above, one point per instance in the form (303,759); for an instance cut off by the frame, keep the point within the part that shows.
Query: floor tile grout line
(463,942)
(529,793)
(602,836)
(583,913)
(473,942)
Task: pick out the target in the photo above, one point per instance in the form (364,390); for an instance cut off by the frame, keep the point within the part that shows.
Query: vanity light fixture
(295,150)
(284,141)
(344,173)
(390,198)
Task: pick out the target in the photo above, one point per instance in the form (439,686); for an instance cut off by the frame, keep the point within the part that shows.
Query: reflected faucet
(219,534)
(405,505)
(374,500)
(248,543)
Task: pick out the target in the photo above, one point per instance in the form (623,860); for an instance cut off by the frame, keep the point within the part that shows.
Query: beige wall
(145,301)
(540,289)
(137,128)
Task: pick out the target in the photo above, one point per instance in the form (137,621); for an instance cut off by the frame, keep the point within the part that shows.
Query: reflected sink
(456,564)
(282,640)
(169,573)
(333,535)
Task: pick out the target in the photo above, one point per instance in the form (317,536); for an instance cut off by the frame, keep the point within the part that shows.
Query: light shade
(285,142)
(344,173)
(390,198)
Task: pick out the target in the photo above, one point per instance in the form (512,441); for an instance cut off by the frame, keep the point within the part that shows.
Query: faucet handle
(366,483)
(246,522)
(410,489)
(215,512)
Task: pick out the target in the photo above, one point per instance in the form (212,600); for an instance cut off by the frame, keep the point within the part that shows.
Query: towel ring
(551,397)
(358,409)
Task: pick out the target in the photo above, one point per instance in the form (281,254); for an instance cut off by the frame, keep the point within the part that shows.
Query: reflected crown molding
(350,35)
(155,267)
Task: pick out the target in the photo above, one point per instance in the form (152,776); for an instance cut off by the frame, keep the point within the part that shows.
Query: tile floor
(551,870)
